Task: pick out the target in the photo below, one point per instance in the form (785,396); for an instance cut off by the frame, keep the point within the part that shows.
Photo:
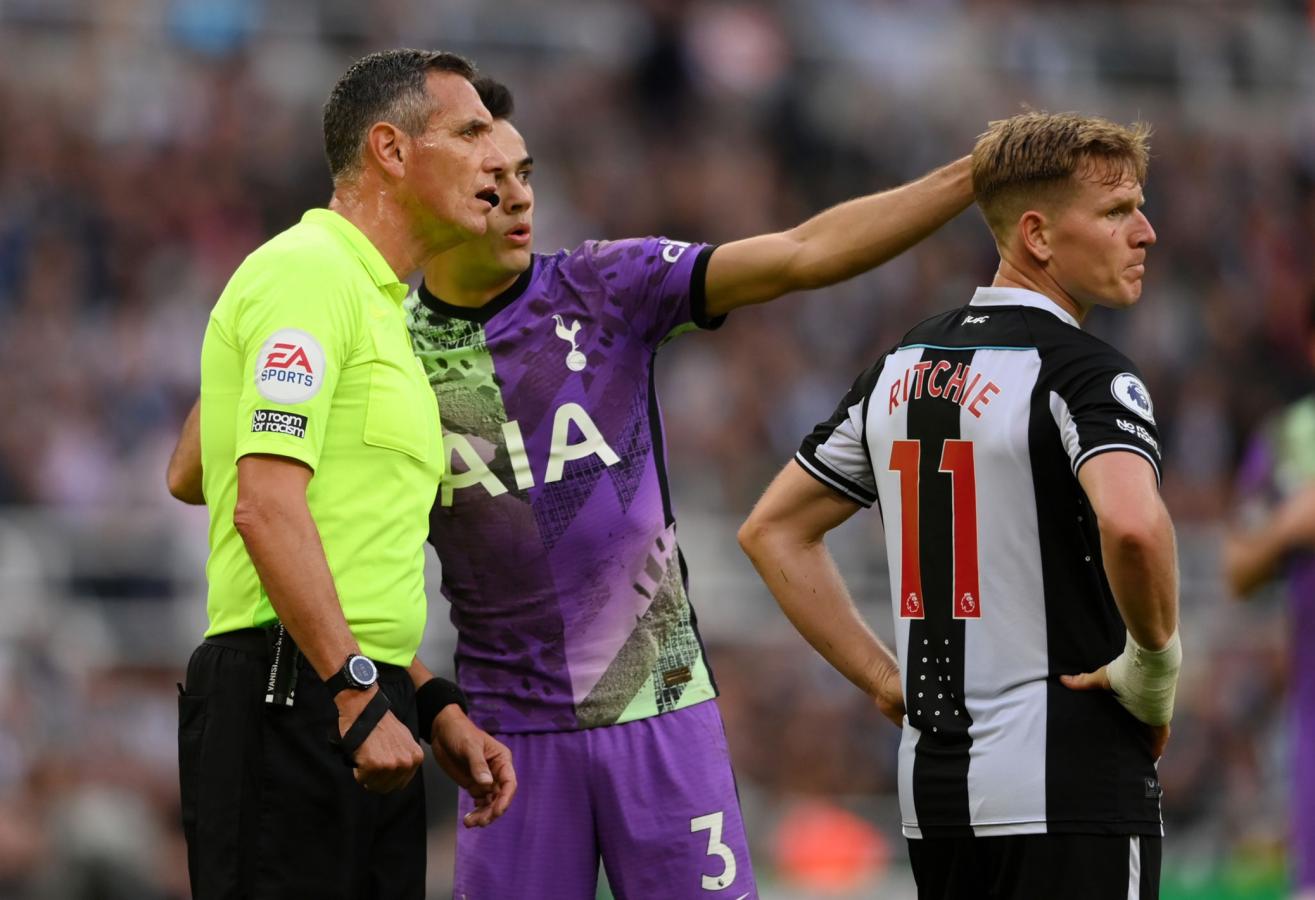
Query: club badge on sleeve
(290,367)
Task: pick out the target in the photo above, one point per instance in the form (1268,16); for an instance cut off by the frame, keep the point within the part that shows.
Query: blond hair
(1035,156)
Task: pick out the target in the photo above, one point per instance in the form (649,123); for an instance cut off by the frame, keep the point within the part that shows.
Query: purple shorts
(1302,797)
(655,799)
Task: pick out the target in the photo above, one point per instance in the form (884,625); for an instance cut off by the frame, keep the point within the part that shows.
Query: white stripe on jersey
(828,479)
(1006,651)
(1068,429)
(1132,448)
(888,484)
(1134,867)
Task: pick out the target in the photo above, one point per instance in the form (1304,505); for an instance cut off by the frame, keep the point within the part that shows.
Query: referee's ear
(385,147)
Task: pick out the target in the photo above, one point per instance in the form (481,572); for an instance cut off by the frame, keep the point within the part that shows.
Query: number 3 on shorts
(711,823)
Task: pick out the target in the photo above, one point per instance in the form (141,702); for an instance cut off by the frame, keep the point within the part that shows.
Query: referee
(321,453)
(1032,562)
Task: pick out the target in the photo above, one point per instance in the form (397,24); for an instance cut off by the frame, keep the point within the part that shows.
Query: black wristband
(365,723)
(431,697)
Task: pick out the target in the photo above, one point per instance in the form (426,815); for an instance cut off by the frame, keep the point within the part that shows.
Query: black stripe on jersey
(659,442)
(698,293)
(934,681)
(1099,773)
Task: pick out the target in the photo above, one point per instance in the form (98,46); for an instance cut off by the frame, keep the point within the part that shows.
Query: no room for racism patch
(276,422)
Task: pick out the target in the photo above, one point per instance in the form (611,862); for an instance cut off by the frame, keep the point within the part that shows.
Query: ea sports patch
(290,367)
(1128,389)
(273,421)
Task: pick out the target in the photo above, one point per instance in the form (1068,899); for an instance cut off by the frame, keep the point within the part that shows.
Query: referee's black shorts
(269,808)
(1037,867)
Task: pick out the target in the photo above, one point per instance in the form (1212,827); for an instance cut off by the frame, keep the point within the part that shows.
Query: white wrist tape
(1145,681)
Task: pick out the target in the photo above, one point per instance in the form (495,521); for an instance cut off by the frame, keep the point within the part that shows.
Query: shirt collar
(380,272)
(1008,296)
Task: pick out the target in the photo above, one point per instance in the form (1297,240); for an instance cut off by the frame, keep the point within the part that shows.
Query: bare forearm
(1252,558)
(860,234)
(1142,567)
(805,582)
(284,545)
(418,672)
(184,473)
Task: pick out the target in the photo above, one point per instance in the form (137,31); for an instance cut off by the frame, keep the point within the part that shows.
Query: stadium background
(149,144)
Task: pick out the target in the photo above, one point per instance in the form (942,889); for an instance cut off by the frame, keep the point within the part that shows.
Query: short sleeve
(836,451)
(658,283)
(1105,408)
(295,332)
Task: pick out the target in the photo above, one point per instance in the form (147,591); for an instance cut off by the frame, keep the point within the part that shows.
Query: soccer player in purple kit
(577,645)
(1274,538)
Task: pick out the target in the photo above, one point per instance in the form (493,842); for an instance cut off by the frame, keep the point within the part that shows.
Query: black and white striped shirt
(970,433)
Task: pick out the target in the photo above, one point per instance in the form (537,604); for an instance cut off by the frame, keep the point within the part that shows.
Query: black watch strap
(365,723)
(341,680)
(432,697)
(337,682)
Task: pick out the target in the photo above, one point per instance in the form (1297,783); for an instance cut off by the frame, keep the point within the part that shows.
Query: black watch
(359,673)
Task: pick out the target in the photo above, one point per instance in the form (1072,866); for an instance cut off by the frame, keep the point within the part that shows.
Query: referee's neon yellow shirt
(307,355)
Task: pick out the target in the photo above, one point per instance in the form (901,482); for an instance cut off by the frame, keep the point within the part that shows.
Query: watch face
(362,670)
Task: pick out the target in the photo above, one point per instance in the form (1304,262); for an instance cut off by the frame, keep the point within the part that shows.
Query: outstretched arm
(184,473)
(836,244)
(783,536)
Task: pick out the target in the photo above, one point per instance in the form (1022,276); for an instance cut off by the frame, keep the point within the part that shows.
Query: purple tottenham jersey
(1280,462)
(554,525)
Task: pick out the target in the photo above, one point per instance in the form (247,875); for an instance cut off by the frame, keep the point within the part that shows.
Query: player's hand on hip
(1159,739)
(1099,680)
(889,698)
(388,758)
(478,763)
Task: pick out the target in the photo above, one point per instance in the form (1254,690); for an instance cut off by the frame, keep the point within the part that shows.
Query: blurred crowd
(150,144)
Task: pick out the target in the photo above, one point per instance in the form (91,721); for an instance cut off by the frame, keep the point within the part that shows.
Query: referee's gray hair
(388,86)
(1026,157)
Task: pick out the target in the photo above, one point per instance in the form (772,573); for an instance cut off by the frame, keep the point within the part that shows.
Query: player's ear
(1034,233)
(387,147)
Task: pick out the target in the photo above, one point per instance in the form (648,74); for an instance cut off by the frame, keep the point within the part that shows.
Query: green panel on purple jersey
(554,526)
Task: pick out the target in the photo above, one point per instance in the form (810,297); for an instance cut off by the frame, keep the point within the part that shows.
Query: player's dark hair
(496,97)
(1035,155)
(385,86)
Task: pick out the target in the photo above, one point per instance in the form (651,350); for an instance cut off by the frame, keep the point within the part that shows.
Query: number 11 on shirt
(957,463)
